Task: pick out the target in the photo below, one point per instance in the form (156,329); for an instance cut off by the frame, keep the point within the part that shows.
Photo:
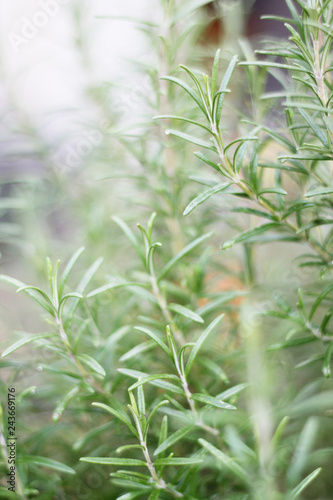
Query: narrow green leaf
(187,120)
(154,410)
(240,152)
(182,355)
(141,403)
(29,391)
(232,391)
(183,415)
(223,88)
(278,137)
(122,417)
(177,461)
(303,484)
(111,286)
(312,404)
(311,225)
(154,495)
(173,438)
(191,139)
(163,434)
(187,89)
(205,181)
(214,368)
(291,343)
(69,295)
(319,300)
(306,105)
(228,462)
(150,225)
(46,462)
(297,207)
(317,156)
(130,235)
(302,451)
(327,361)
(130,462)
(271,64)
(63,403)
(11,281)
(129,447)
(52,369)
(326,318)
(92,363)
(150,378)
(236,445)
(25,341)
(172,345)
(272,190)
(155,337)
(294,14)
(315,128)
(132,473)
(68,269)
(46,303)
(163,384)
(138,350)
(182,254)
(222,298)
(279,431)
(200,342)
(322,191)
(184,311)
(209,400)
(205,196)
(131,496)
(202,95)
(252,233)
(207,160)
(253,211)
(215,71)
(129,477)
(305,54)
(87,277)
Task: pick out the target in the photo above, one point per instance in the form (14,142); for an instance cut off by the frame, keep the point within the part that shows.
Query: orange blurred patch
(217,283)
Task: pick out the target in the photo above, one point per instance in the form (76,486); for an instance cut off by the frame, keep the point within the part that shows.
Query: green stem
(165,311)
(319,75)
(88,379)
(191,403)
(159,482)
(260,201)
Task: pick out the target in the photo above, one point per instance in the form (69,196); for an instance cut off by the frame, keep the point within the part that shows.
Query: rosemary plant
(198,365)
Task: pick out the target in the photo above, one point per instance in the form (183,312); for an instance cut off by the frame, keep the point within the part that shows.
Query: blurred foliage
(185,350)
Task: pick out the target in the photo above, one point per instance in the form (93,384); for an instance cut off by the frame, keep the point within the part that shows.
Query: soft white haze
(41,72)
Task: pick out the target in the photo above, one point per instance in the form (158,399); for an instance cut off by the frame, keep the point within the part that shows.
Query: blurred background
(79,87)
(72,75)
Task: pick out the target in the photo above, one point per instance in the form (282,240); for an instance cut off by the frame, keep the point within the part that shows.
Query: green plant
(229,344)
